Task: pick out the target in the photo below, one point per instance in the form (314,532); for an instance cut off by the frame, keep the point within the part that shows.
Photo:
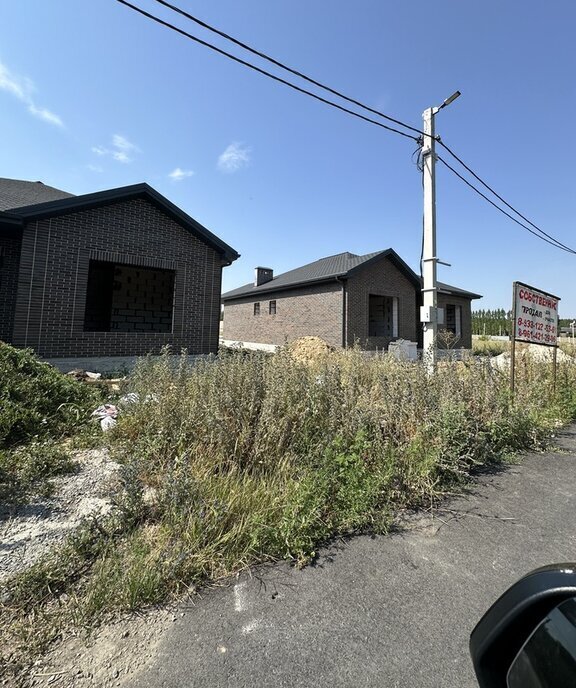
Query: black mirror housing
(502,631)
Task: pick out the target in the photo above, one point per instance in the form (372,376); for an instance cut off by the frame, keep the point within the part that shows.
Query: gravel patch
(31,531)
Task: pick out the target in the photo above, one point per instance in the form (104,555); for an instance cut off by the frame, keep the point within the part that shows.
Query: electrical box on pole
(430,315)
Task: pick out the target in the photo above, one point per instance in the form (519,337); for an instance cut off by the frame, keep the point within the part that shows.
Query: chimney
(262,275)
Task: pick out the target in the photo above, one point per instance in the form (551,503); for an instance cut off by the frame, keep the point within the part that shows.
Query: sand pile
(309,349)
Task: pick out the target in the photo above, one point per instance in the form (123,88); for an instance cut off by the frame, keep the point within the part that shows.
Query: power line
(273,61)
(552,241)
(478,178)
(263,71)
(539,233)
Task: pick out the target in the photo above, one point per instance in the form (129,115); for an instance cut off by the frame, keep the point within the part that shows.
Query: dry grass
(253,457)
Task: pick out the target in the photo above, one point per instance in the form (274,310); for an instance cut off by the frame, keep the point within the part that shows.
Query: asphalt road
(384,611)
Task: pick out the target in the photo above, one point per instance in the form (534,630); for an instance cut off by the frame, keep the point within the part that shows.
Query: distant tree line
(499,322)
(492,322)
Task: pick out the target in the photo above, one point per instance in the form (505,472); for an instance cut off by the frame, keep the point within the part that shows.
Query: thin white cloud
(11,84)
(46,115)
(121,143)
(95,168)
(22,88)
(178,174)
(121,156)
(122,149)
(234,158)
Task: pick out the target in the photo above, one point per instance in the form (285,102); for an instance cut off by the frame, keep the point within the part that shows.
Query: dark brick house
(372,299)
(120,272)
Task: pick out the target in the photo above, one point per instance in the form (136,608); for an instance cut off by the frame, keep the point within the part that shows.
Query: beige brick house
(372,299)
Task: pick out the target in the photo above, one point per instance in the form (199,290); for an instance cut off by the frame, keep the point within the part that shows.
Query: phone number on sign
(538,326)
(535,336)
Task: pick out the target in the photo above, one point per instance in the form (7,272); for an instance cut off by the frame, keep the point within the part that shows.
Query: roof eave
(99,198)
(462,294)
(10,224)
(287,287)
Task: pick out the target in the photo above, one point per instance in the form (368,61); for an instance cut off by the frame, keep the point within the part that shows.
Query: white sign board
(535,315)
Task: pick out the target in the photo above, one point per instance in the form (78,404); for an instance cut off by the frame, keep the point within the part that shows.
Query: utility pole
(428,315)
(429,310)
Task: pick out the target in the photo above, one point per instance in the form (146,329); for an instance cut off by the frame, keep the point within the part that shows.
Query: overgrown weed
(252,458)
(40,409)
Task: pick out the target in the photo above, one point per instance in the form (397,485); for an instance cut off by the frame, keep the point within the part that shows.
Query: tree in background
(498,322)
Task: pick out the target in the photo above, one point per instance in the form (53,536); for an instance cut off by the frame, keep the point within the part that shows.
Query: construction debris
(107,415)
(84,375)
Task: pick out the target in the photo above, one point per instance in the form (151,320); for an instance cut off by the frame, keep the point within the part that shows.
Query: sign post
(535,321)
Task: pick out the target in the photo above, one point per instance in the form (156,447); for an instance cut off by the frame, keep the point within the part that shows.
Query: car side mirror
(548,658)
(527,639)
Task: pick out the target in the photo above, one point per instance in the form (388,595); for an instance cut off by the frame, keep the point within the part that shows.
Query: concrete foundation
(120,365)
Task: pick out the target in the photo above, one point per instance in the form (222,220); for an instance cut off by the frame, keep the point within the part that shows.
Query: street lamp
(429,310)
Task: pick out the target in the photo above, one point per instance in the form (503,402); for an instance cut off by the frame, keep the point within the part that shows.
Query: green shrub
(36,400)
(26,470)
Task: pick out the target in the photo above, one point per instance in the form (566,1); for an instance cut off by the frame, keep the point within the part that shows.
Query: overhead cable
(295,72)
(263,71)
(485,185)
(539,233)
(551,241)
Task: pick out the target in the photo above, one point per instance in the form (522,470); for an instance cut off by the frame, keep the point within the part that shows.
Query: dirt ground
(115,651)
(30,531)
(110,656)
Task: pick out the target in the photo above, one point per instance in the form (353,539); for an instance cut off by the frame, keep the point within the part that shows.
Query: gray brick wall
(318,310)
(382,278)
(465,340)
(314,310)
(9,262)
(54,268)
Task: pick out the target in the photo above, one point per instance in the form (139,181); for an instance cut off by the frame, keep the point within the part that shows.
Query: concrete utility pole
(429,282)
(429,311)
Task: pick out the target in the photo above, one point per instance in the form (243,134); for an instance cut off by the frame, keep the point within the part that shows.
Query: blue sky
(93,96)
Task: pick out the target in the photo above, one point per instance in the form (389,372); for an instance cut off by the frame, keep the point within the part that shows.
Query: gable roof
(15,193)
(67,203)
(342,265)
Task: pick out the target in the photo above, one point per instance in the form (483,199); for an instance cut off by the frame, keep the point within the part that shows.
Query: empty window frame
(272,308)
(257,308)
(454,319)
(382,316)
(128,298)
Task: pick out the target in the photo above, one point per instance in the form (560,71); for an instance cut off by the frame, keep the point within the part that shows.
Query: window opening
(127,298)
(382,316)
(454,319)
